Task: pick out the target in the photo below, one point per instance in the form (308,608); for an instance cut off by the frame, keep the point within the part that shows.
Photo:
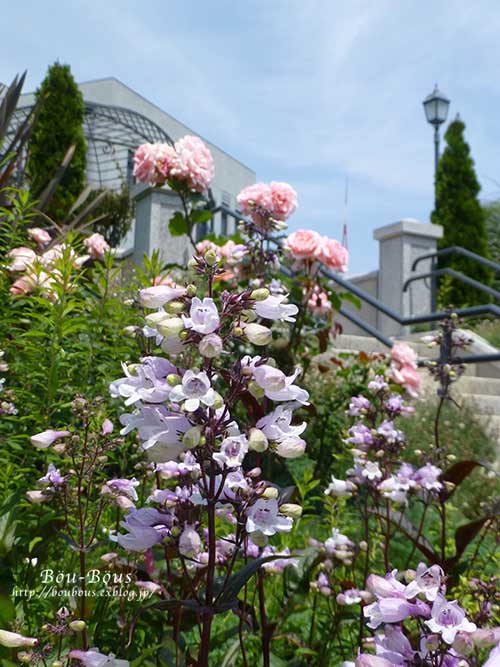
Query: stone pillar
(153,209)
(401,243)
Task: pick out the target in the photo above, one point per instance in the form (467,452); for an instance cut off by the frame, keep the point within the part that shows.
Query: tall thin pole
(436,156)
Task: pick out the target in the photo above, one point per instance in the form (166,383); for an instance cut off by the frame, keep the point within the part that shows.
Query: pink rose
(334,255)
(403,354)
(152,163)
(408,377)
(40,236)
(192,164)
(284,200)
(257,202)
(22,258)
(304,244)
(96,246)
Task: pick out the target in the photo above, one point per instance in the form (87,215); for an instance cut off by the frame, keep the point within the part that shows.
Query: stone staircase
(478,388)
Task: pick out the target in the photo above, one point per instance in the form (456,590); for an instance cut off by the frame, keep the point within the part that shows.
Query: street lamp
(436,111)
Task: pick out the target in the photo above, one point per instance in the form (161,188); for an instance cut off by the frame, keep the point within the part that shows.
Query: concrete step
(478,385)
(481,404)
(491,426)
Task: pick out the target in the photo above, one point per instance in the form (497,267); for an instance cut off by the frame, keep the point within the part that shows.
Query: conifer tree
(458,210)
(58,126)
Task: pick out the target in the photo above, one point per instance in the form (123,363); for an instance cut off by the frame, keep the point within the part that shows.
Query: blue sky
(311,92)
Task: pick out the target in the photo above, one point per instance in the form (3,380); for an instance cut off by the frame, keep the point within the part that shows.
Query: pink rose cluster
(308,245)
(265,202)
(188,162)
(404,370)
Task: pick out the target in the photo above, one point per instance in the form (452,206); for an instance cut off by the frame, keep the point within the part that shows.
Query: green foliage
(458,210)
(59,125)
(117,208)
(492,216)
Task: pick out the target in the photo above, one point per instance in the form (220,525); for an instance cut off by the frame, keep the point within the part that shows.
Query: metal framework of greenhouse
(112,134)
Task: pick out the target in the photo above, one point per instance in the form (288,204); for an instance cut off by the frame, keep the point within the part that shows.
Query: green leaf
(198,217)
(177,225)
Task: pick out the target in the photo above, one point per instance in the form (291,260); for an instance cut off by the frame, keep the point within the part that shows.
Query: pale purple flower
(377,384)
(146,527)
(194,390)
(53,477)
(154,425)
(393,610)
(340,488)
(232,451)
(349,597)
(93,658)
(269,378)
(149,586)
(428,580)
(339,545)
(278,424)
(121,487)
(273,308)
(277,565)
(265,517)
(391,434)
(369,660)
(360,435)
(385,587)
(203,316)
(46,438)
(107,427)
(369,469)
(493,658)
(358,405)
(158,295)
(323,584)
(146,382)
(428,477)
(289,392)
(167,469)
(396,406)
(394,646)
(448,618)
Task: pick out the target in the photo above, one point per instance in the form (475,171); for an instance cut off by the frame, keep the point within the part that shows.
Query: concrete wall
(400,244)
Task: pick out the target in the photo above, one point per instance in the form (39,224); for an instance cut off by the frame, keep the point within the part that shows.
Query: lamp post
(436,111)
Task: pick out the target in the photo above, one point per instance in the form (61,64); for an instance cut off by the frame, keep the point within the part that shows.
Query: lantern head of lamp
(436,107)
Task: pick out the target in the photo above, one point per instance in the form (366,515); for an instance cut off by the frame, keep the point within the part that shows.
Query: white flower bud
(256,390)
(192,437)
(291,447)
(259,294)
(258,334)
(257,441)
(173,379)
(78,626)
(211,346)
(170,326)
(291,510)
(191,290)
(270,493)
(174,307)
(189,542)
(211,257)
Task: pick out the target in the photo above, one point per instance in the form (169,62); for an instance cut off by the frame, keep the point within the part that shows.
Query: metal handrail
(471,311)
(457,250)
(454,274)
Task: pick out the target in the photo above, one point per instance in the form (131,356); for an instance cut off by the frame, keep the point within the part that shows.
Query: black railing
(435,316)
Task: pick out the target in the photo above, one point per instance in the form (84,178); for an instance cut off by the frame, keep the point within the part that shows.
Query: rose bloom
(96,245)
(284,200)
(333,255)
(152,163)
(257,202)
(304,244)
(193,163)
(39,235)
(403,354)
(22,258)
